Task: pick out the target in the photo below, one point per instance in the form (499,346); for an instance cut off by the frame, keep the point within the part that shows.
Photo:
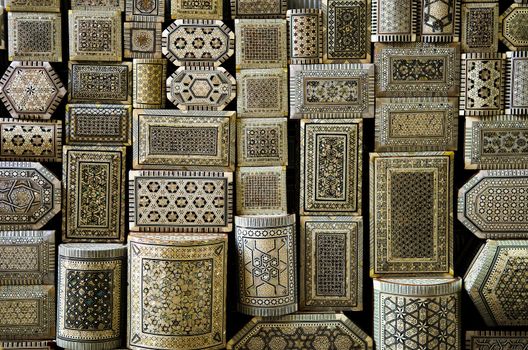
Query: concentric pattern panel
(404,242)
(417,69)
(262,142)
(94,205)
(28,312)
(261,43)
(91,295)
(331,167)
(201,88)
(41,100)
(27,257)
(331,263)
(100,83)
(301,331)
(142,40)
(101,124)
(496,143)
(258,9)
(261,190)
(517,83)
(262,93)
(32,141)
(439,20)
(332,90)
(30,196)
(95,35)
(305,29)
(499,340)
(496,282)
(267,265)
(346,33)
(480,197)
(415,314)
(34,36)
(163,268)
(512,27)
(149,83)
(482,84)
(145,10)
(197,42)
(416,124)
(33,5)
(169,139)
(394,20)
(200,9)
(185,201)
(480,27)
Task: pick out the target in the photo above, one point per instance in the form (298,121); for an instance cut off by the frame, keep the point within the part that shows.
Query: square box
(261,191)
(262,142)
(197,9)
(142,40)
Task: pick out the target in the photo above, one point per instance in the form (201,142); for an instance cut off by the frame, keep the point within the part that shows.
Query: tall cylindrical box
(267,268)
(90,296)
(177,291)
(417,313)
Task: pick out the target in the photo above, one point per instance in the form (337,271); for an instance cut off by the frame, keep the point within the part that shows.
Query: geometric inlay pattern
(480,198)
(346,31)
(439,20)
(496,340)
(149,83)
(417,314)
(31,90)
(27,345)
(30,196)
(331,90)
(517,82)
(98,5)
(27,257)
(266,264)
(94,204)
(262,93)
(90,296)
(34,36)
(261,190)
(100,82)
(95,35)
(305,28)
(394,20)
(480,27)
(172,139)
(142,40)
(331,263)
(496,282)
(197,42)
(145,10)
(202,88)
(98,123)
(30,140)
(482,83)
(196,9)
(258,9)
(28,312)
(417,69)
(180,201)
(331,167)
(416,124)
(301,331)
(499,142)
(261,43)
(512,27)
(32,5)
(411,213)
(262,141)
(177,291)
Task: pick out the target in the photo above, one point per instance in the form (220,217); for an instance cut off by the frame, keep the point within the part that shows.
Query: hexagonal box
(31,90)
(496,282)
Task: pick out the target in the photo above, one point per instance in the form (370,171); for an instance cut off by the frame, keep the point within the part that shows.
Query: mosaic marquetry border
(32,5)
(417,130)
(215,11)
(282,6)
(483,340)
